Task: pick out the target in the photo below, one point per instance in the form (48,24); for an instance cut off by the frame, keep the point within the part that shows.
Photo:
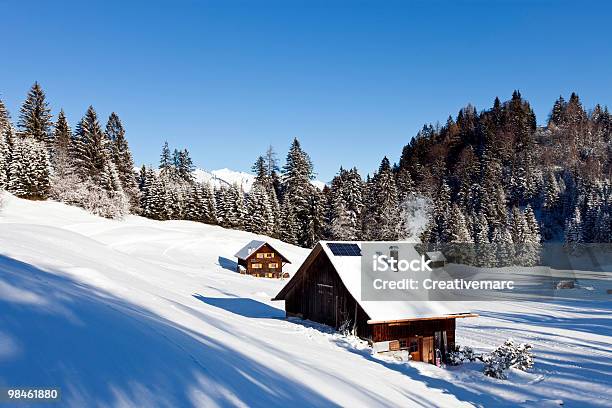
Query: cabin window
(270,275)
(256,266)
(260,255)
(414,345)
(403,343)
(273,265)
(269,255)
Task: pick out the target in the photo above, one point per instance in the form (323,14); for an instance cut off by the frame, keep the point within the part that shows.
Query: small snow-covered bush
(460,355)
(347,328)
(508,355)
(87,195)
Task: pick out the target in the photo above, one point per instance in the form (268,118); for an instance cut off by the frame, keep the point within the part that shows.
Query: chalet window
(256,266)
(403,343)
(270,275)
(260,255)
(414,345)
(273,265)
(269,255)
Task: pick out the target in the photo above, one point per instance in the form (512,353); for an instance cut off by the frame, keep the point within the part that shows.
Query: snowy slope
(227,177)
(147,313)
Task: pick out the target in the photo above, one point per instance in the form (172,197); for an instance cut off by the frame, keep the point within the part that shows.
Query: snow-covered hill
(147,313)
(227,177)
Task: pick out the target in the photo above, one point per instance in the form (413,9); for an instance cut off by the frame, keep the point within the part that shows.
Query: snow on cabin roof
(436,256)
(349,270)
(253,246)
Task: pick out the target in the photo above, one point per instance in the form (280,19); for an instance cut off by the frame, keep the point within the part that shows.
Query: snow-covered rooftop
(253,246)
(249,248)
(350,271)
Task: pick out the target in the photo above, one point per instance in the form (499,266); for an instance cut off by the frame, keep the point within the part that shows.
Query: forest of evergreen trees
(493,179)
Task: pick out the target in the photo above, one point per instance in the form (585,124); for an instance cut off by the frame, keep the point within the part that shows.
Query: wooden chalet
(327,289)
(258,258)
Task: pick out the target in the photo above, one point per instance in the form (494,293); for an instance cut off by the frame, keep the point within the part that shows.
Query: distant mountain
(227,177)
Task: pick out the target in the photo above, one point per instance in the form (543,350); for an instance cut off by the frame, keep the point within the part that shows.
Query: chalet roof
(250,248)
(349,270)
(436,256)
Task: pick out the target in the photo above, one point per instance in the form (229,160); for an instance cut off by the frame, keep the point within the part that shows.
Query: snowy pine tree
(574,237)
(35,115)
(259,210)
(122,159)
(62,140)
(301,196)
(289,231)
(91,154)
(29,169)
(382,221)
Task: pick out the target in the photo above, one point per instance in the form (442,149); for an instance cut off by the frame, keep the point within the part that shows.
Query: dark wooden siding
(321,296)
(424,328)
(269,256)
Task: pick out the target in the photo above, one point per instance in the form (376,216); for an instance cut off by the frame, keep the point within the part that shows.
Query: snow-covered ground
(147,313)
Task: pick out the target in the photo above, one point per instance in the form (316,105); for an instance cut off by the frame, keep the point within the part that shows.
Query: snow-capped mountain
(227,177)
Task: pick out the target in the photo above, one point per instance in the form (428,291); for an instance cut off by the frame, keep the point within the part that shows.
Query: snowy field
(147,313)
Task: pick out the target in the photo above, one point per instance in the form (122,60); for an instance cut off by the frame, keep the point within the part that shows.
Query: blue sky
(354,81)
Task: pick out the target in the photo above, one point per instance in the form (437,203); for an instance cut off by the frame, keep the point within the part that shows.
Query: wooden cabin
(258,258)
(326,289)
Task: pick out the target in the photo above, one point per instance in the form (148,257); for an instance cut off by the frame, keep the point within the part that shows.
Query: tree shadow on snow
(243,306)
(101,350)
(228,264)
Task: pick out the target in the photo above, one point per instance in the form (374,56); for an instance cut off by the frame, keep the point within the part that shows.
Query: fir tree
(62,146)
(152,197)
(260,170)
(289,225)
(299,193)
(35,115)
(383,216)
(574,233)
(91,154)
(259,210)
(4,160)
(165,160)
(4,118)
(533,238)
(29,169)
(184,165)
(122,158)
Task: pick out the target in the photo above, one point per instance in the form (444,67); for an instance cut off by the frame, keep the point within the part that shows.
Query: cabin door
(327,304)
(427,349)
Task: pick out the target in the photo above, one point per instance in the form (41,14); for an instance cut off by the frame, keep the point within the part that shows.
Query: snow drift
(148,313)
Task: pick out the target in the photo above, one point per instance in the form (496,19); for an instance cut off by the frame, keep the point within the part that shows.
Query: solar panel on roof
(344,249)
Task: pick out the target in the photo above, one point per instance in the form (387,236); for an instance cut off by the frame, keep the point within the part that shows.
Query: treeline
(494,179)
(499,172)
(90,167)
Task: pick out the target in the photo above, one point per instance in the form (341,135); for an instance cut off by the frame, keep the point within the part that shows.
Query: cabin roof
(249,249)
(349,270)
(436,256)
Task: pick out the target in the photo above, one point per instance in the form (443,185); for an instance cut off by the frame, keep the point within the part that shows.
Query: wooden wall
(265,261)
(321,296)
(425,328)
